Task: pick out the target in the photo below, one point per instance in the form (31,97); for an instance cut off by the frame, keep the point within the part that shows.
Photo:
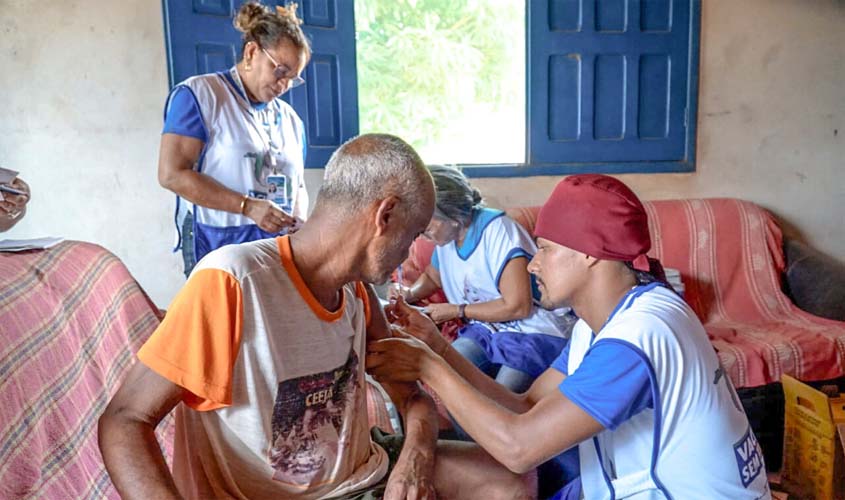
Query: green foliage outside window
(446,75)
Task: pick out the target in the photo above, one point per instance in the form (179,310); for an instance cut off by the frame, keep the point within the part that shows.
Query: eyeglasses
(280,72)
(437,221)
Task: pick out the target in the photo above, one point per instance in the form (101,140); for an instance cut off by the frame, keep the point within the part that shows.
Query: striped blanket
(730,255)
(71,319)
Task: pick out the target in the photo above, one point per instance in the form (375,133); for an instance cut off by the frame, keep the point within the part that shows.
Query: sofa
(732,261)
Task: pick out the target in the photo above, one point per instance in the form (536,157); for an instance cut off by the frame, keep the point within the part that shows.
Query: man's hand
(13,205)
(267,215)
(397,290)
(412,321)
(440,313)
(412,477)
(403,358)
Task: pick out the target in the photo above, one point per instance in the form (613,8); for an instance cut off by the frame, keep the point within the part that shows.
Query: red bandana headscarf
(599,216)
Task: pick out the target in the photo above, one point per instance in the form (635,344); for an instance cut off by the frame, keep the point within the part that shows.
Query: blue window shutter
(612,84)
(200,39)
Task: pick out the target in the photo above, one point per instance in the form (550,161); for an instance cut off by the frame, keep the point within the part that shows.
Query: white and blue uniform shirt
(470,273)
(674,426)
(245,143)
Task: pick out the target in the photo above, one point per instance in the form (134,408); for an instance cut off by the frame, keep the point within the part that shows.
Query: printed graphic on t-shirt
(308,416)
(261,166)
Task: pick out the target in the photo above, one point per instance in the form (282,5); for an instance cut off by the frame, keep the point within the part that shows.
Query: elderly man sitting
(264,348)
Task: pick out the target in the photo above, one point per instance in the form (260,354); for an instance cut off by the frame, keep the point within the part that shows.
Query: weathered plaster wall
(84,82)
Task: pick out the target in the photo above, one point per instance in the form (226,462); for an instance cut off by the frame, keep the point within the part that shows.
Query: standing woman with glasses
(228,136)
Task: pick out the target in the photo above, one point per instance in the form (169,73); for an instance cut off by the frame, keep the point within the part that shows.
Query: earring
(247,66)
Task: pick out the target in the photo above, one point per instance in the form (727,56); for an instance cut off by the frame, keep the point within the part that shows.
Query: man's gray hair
(456,198)
(370,167)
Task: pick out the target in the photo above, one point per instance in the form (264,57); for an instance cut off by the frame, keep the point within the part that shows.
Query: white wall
(83,84)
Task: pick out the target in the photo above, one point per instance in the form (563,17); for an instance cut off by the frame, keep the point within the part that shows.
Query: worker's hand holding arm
(520,441)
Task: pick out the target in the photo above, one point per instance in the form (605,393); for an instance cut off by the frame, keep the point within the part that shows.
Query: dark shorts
(392,444)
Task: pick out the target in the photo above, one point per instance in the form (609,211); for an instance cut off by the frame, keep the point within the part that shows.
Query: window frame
(529,169)
(686,165)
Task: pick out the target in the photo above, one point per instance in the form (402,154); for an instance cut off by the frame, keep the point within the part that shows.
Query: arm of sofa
(814,281)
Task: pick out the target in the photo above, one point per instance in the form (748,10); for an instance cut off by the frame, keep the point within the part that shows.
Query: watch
(462,312)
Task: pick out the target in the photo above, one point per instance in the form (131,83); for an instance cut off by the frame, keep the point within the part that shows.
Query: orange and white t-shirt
(276,404)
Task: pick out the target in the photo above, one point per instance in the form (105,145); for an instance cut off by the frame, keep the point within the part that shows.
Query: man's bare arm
(417,408)
(420,326)
(520,440)
(415,468)
(126,433)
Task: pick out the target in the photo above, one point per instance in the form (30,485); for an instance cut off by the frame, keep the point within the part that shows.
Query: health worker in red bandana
(639,391)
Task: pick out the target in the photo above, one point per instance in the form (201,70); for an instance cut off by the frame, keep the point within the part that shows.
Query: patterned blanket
(71,319)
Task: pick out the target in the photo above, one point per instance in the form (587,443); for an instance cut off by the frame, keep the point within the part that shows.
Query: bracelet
(462,312)
(243,203)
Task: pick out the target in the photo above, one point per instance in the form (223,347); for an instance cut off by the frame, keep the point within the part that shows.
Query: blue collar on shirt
(258,106)
(481,218)
(625,303)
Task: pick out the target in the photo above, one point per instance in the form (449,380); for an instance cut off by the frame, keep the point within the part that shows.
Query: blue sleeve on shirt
(435,262)
(183,116)
(611,384)
(561,364)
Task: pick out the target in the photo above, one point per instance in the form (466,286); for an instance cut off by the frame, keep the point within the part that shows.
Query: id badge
(277,190)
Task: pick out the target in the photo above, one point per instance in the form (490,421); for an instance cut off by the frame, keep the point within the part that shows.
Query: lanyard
(263,132)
